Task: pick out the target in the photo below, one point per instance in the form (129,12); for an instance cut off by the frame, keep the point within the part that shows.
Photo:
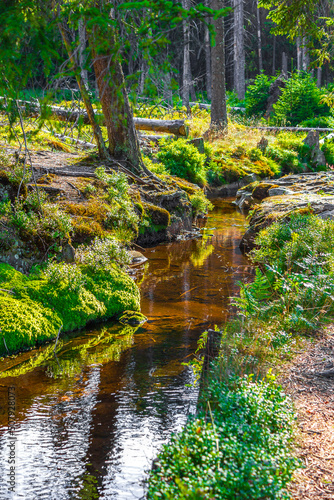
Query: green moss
(25,323)
(158,216)
(132,318)
(39,307)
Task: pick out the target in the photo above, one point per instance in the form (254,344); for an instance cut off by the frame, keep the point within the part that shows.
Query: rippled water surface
(90,420)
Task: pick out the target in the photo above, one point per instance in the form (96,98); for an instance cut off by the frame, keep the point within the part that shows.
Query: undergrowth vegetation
(240,443)
(238,446)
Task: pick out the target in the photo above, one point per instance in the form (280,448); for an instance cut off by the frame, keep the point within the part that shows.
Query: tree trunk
(239,49)
(218,105)
(284,64)
(305,55)
(299,54)
(319,74)
(123,141)
(103,152)
(208,58)
(273,71)
(186,58)
(259,36)
(82,46)
(167,91)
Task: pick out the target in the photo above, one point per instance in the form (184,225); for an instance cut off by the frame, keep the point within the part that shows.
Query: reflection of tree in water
(100,349)
(201,252)
(71,358)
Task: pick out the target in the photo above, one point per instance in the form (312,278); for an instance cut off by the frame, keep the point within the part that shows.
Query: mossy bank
(63,296)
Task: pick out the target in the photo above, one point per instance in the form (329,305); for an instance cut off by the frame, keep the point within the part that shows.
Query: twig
(5,344)
(54,350)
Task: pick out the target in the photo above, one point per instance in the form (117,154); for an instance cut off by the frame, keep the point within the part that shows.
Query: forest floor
(313,397)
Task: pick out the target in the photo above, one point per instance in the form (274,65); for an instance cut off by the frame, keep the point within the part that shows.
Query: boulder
(132,318)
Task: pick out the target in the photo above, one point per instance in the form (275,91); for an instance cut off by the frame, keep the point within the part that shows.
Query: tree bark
(305,55)
(103,152)
(186,58)
(82,46)
(123,141)
(208,58)
(299,54)
(218,105)
(319,74)
(273,71)
(239,49)
(259,36)
(284,63)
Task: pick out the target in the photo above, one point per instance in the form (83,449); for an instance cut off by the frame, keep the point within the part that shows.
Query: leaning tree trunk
(218,104)
(82,46)
(123,141)
(103,152)
(239,49)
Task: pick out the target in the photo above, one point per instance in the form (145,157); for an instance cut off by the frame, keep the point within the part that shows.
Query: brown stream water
(89,422)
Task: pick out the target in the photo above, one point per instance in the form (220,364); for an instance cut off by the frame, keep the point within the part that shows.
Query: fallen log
(176,127)
(295,129)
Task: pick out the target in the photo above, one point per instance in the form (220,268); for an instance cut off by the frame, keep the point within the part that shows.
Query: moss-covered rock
(132,318)
(159,217)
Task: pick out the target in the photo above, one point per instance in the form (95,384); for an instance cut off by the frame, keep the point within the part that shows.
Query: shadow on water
(91,419)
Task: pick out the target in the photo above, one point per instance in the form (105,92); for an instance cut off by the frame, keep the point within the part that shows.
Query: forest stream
(90,420)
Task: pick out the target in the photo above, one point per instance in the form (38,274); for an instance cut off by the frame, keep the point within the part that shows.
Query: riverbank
(278,316)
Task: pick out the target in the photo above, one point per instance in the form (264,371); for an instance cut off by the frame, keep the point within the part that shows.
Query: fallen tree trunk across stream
(176,127)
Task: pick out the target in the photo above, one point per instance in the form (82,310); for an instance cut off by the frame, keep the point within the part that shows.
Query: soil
(313,397)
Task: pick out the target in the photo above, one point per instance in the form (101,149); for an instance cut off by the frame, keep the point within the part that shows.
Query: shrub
(257,95)
(328,149)
(183,160)
(287,159)
(242,451)
(300,100)
(200,204)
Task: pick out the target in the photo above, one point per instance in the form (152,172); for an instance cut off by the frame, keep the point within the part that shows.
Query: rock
(312,139)
(137,258)
(328,214)
(245,201)
(68,253)
(198,143)
(272,209)
(261,191)
(248,179)
(279,191)
(132,318)
(318,158)
(262,144)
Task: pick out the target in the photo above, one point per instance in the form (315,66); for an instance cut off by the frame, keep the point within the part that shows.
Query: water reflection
(90,422)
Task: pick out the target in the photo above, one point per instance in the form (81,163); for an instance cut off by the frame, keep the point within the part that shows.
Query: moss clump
(40,305)
(86,230)
(25,323)
(132,318)
(158,217)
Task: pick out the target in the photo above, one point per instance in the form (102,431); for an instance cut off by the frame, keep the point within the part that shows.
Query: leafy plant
(237,447)
(257,95)
(184,160)
(300,100)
